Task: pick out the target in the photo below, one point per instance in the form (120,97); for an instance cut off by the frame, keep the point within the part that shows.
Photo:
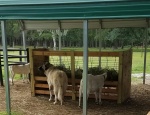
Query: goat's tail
(61,88)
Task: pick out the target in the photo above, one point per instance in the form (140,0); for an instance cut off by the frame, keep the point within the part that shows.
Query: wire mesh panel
(110,62)
(105,62)
(60,60)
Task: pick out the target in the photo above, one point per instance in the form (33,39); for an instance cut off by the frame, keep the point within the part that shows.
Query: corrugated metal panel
(29,2)
(85,10)
(67,24)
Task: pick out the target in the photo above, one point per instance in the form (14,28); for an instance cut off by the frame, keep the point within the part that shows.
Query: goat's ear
(47,65)
(46,62)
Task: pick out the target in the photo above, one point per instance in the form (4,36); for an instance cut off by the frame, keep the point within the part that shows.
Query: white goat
(19,69)
(94,84)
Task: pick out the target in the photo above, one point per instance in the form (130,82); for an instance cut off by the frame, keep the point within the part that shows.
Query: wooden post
(73,75)
(32,73)
(126,74)
(20,60)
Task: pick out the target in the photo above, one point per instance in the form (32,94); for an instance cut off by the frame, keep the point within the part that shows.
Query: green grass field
(138,62)
(112,62)
(12,113)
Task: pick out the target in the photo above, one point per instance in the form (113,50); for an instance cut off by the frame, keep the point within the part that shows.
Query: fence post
(27,54)
(20,53)
(73,75)
(20,59)
(27,60)
(1,75)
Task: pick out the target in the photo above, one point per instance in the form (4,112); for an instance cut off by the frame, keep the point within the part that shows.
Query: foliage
(113,38)
(112,74)
(73,37)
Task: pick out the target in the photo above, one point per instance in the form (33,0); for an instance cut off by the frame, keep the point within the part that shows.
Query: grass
(12,113)
(138,62)
(136,80)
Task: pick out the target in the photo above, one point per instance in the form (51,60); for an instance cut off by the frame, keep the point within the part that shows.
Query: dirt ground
(24,103)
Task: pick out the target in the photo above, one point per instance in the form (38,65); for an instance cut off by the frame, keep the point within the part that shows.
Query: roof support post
(100,47)
(60,34)
(60,45)
(6,74)
(85,65)
(100,42)
(59,39)
(24,42)
(145,54)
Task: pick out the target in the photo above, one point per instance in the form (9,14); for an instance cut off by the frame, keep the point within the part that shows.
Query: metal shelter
(64,14)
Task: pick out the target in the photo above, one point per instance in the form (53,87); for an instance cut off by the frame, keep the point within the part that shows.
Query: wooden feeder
(112,90)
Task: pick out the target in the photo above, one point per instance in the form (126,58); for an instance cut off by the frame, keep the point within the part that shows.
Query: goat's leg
(50,98)
(56,94)
(80,95)
(25,78)
(23,75)
(100,93)
(88,93)
(12,77)
(96,97)
(50,91)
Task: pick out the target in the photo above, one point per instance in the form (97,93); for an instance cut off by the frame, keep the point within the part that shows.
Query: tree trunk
(13,44)
(122,44)
(54,42)
(45,44)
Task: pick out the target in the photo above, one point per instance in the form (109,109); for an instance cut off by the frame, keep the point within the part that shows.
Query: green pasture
(12,113)
(106,62)
(138,62)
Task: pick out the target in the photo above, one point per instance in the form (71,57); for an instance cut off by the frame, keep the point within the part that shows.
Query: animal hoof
(55,103)
(96,103)
(100,103)
(49,99)
(80,107)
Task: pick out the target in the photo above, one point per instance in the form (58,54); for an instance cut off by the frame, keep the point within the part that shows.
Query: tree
(102,36)
(13,31)
(74,36)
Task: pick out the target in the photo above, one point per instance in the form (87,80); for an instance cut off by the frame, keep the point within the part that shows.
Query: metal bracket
(100,23)
(147,21)
(59,24)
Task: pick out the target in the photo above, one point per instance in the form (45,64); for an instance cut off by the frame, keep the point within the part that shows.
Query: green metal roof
(23,2)
(71,9)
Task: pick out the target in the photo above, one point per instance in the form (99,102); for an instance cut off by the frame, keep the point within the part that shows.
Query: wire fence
(106,62)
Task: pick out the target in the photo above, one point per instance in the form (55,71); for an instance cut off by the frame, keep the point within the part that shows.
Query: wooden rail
(20,56)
